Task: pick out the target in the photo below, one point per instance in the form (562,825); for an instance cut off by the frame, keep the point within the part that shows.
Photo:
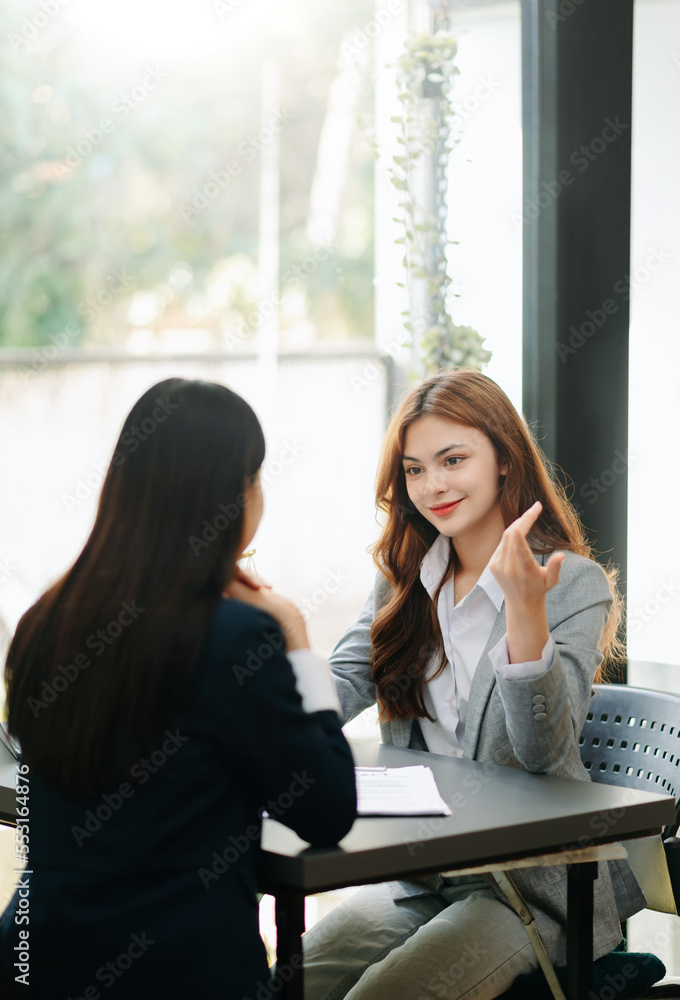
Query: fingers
(517,561)
(526,521)
(242,591)
(250,579)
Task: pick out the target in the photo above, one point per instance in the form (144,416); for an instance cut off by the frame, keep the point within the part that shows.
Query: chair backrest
(632,738)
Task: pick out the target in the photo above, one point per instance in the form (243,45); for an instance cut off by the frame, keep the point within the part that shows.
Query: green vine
(425,76)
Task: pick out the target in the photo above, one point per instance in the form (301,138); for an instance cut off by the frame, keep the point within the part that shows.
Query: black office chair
(632,738)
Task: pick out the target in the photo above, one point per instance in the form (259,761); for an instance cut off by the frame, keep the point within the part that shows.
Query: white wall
(654,476)
(58,428)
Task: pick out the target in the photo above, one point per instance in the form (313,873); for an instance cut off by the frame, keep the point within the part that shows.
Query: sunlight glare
(174,29)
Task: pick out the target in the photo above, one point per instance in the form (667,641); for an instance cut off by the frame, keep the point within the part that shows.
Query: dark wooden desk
(500,815)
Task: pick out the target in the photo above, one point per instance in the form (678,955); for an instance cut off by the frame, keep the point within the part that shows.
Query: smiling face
(452,478)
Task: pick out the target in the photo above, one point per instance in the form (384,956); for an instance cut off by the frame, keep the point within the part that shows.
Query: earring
(250,564)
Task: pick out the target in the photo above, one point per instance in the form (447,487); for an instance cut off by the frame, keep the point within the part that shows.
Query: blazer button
(538,699)
(540,716)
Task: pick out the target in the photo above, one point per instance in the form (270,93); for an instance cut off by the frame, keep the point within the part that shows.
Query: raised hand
(248,587)
(250,578)
(525,585)
(514,566)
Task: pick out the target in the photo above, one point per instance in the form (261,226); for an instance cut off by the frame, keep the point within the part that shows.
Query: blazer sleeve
(351,659)
(545,715)
(295,764)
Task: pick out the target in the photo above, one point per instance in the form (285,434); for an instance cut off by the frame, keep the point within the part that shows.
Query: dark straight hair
(97,660)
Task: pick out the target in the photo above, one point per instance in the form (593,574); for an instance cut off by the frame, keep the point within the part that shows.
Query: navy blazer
(151,887)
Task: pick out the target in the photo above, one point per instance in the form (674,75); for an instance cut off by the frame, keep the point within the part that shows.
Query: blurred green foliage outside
(129,190)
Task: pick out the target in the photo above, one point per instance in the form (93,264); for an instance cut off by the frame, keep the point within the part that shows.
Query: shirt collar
(491,587)
(433,568)
(434,563)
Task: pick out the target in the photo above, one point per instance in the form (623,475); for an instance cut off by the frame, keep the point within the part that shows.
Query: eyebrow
(410,458)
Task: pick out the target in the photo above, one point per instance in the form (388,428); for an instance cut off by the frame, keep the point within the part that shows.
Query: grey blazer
(503,728)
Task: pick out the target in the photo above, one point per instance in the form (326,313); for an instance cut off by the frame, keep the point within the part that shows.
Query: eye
(413,470)
(453,460)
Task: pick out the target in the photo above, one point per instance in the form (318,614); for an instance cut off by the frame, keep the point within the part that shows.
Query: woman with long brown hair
(163,701)
(487,625)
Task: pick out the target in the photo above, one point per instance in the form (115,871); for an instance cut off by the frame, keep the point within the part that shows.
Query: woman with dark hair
(163,700)
(488,623)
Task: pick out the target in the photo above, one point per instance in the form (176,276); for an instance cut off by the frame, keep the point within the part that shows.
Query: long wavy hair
(97,660)
(402,653)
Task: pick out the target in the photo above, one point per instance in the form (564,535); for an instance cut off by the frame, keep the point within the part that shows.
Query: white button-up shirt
(465,630)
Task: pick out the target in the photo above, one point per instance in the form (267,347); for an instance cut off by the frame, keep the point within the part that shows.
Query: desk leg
(290,926)
(580,880)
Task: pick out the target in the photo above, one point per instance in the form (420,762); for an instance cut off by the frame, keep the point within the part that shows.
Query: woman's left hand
(524,584)
(250,578)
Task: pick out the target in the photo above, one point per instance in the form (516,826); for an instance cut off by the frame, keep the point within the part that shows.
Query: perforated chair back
(631,738)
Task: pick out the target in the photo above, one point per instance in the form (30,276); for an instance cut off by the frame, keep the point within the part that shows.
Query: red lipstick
(443,510)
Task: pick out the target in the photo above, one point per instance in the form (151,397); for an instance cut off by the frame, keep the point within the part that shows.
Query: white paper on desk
(399,791)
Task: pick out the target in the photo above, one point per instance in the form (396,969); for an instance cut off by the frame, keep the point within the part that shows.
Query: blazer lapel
(481,688)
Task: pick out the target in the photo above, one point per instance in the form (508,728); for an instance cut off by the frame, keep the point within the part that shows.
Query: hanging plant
(425,76)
